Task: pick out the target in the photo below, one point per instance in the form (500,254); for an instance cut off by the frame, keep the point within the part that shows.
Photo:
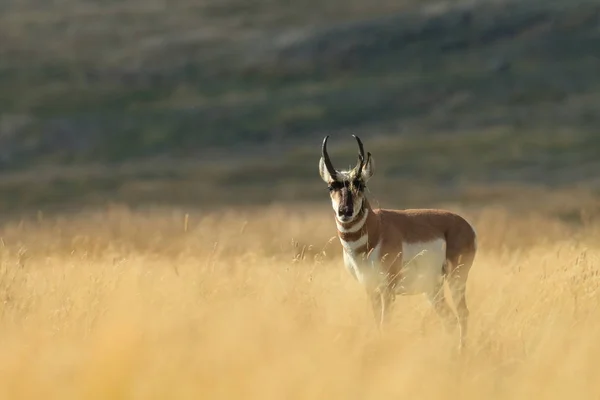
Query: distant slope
(100,81)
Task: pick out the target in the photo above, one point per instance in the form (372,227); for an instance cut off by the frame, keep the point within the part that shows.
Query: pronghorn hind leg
(437,299)
(457,282)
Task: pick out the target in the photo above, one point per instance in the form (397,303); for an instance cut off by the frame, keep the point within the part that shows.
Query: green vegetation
(501,167)
(443,93)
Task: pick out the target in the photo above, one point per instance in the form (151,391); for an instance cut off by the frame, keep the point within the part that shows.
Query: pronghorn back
(422,225)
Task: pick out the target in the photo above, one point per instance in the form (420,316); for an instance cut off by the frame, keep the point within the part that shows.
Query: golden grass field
(255,304)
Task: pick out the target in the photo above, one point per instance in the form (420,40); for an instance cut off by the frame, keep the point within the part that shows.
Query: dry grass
(120,304)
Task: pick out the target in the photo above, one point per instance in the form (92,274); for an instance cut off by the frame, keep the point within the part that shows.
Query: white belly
(421,270)
(422,265)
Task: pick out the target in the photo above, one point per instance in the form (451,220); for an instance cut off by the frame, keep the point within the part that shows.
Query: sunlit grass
(144,305)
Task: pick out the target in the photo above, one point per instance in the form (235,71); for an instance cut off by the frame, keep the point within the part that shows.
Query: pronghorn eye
(358,184)
(335,186)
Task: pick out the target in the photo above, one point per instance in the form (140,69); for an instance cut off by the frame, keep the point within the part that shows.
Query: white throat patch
(356,227)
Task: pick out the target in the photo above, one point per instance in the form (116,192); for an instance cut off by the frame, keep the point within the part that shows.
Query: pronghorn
(400,252)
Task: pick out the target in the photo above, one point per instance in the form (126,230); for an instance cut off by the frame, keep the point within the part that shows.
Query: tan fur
(373,252)
(390,229)
(393,227)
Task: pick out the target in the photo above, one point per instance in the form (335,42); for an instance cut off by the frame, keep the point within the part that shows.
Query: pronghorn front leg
(382,301)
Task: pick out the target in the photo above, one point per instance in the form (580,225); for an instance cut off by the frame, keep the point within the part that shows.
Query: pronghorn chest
(366,267)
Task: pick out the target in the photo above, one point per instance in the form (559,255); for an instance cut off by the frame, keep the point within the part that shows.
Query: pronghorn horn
(361,155)
(328,163)
(368,158)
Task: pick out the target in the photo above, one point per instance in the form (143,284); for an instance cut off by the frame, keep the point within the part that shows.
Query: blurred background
(225,102)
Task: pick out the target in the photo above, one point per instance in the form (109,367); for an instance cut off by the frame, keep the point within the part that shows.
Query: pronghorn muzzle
(346,208)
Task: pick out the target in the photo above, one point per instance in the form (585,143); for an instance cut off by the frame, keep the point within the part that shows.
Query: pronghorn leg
(437,299)
(382,301)
(457,282)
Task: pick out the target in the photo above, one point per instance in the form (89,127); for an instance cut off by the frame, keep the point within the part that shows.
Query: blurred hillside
(186,100)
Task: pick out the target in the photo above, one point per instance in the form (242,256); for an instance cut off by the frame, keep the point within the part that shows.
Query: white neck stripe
(355,244)
(355,227)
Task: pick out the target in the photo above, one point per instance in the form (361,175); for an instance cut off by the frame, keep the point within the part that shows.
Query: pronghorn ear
(368,168)
(325,175)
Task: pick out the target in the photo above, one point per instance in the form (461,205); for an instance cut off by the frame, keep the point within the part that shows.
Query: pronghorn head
(346,188)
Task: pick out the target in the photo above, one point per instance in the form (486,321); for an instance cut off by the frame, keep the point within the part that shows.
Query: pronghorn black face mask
(346,188)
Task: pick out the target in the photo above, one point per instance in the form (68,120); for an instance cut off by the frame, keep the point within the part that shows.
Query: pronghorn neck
(361,234)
